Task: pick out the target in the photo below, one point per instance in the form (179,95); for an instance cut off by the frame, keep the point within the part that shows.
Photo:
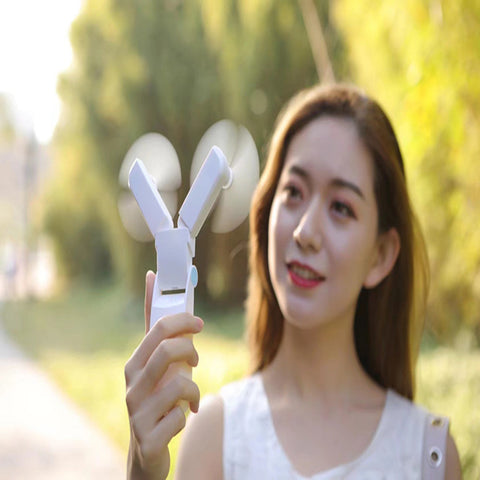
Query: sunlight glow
(34,49)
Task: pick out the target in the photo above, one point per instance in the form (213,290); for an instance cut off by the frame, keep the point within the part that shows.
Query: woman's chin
(304,319)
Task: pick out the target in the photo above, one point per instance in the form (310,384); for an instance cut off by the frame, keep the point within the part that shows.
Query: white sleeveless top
(252,451)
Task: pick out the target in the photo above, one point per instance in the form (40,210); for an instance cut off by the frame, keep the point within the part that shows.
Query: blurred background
(81,80)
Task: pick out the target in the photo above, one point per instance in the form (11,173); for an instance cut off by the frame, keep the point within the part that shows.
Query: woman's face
(323,224)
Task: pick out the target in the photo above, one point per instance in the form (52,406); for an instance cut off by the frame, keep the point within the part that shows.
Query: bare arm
(200,456)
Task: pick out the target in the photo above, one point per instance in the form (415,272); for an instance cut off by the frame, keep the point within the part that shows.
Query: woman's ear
(388,247)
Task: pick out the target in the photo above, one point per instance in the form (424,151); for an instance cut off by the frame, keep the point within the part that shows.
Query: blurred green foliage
(174,67)
(421,60)
(449,384)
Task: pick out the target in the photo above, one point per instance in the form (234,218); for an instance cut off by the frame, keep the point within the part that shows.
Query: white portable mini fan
(226,181)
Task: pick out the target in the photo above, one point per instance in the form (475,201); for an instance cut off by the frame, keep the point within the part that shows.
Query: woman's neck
(319,363)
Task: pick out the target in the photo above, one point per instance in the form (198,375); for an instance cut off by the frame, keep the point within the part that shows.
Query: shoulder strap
(434,447)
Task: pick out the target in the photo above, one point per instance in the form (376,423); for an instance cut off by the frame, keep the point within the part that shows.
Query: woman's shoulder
(408,414)
(407,420)
(398,440)
(194,459)
(200,452)
(424,431)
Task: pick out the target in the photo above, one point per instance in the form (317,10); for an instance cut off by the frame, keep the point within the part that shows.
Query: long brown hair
(388,319)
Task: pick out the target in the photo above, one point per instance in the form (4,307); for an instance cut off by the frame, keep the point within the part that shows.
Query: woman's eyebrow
(341,183)
(336,182)
(298,171)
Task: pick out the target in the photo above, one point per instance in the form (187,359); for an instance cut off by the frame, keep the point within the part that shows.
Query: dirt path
(42,434)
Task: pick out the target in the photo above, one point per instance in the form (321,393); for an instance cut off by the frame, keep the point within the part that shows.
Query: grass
(83,340)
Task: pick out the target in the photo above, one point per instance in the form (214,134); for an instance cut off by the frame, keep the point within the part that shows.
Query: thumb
(149,283)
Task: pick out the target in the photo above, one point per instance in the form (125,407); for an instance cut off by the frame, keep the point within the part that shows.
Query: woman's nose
(308,233)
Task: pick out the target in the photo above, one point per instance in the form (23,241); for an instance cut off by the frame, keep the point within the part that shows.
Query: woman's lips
(304,276)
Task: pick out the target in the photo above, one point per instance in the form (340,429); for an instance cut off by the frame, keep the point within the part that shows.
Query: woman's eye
(292,192)
(343,209)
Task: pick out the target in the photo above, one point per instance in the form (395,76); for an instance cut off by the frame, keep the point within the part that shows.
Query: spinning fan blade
(161,161)
(234,203)
(241,153)
(132,218)
(223,134)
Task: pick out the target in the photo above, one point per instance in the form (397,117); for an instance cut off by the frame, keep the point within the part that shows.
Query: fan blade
(241,154)
(161,161)
(159,158)
(149,200)
(132,218)
(234,203)
(224,135)
(204,191)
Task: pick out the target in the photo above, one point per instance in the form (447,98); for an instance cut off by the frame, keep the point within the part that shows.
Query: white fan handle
(176,277)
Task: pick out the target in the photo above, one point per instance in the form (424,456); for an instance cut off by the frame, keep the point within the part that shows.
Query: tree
(133,73)
(422,60)
(174,67)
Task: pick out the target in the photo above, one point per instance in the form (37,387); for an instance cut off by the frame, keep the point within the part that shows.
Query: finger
(167,327)
(149,283)
(179,388)
(171,350)
(170,426)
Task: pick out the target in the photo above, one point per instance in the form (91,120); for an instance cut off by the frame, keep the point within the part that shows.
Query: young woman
(337,289)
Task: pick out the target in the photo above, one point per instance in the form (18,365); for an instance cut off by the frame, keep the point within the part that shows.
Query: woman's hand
(154,412)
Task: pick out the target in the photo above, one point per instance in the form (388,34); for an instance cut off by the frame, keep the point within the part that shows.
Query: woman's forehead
(330,147)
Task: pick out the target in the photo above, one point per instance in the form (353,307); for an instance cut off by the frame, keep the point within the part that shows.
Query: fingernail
(200,322)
